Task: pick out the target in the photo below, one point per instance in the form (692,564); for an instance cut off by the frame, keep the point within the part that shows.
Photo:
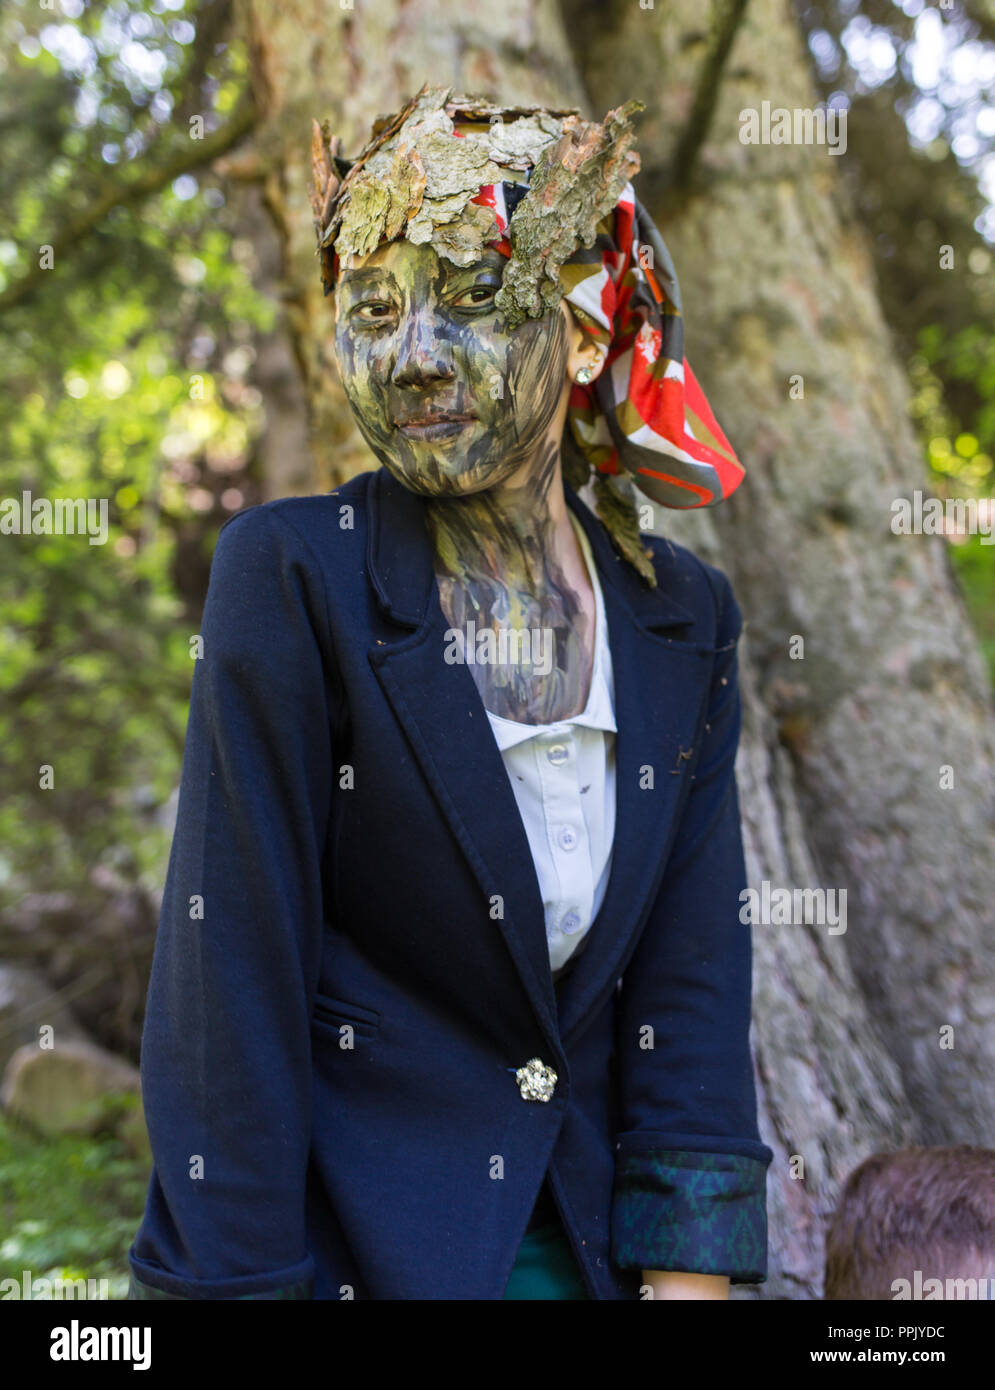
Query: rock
(27,1003)
(75,1087)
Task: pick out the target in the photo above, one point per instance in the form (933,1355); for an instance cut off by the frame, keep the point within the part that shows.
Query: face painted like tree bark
(418,338)
(455,405)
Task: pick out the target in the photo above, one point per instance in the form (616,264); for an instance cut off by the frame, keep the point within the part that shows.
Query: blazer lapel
(660,686)
(441,712)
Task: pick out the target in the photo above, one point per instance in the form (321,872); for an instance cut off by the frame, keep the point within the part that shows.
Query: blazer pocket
(335,1012)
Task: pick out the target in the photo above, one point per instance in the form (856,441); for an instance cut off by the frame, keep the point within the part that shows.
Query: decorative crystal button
(535,1080)
(568,838)
(558,754)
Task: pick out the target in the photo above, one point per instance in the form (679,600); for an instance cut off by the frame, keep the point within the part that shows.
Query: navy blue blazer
(351,964)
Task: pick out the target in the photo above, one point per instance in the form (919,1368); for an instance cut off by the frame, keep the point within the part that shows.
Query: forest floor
(69,1209)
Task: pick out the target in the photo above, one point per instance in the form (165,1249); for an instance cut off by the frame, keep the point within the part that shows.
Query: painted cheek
(540,357)
(487,367)
(368,372)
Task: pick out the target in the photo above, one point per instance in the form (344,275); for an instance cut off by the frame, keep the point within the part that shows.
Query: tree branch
(695,132)
(148,183)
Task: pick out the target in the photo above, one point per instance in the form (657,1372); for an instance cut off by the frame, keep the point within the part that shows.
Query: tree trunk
(285,448)
(842,752)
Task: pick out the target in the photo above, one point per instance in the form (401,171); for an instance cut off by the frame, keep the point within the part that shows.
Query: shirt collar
(599,713)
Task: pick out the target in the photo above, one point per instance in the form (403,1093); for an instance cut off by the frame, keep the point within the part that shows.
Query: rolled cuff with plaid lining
(676,1209)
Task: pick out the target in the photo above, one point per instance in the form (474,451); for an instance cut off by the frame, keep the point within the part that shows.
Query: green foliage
(953,377)
(126,375)
(69,1208)
(975,565)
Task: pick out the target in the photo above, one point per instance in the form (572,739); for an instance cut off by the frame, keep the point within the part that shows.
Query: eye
(477,296)
(379,310)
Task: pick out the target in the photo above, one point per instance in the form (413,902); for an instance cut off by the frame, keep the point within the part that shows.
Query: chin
(442,477)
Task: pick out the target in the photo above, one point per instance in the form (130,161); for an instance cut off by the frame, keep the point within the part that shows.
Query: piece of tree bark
(842,751)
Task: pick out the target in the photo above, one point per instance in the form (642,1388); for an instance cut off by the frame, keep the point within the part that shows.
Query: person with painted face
(451,994)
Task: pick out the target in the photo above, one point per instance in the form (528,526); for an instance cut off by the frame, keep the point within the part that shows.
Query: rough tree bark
(842,751)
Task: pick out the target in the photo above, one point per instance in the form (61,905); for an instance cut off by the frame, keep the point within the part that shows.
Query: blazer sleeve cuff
(149,1281)
(694,1210)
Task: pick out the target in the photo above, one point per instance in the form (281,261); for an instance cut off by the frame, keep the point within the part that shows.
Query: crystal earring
(584,375)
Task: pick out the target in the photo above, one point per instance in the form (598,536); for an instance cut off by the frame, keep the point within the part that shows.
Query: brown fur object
(925,1209)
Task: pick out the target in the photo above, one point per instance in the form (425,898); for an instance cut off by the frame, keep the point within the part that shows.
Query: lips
(434,424)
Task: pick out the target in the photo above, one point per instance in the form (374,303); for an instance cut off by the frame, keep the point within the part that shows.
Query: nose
(424,355)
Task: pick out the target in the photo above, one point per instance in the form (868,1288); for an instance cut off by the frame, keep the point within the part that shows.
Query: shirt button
(570,923)
(567,838)
(558,754)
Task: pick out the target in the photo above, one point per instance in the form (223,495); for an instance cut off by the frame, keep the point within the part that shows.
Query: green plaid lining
(701,1213)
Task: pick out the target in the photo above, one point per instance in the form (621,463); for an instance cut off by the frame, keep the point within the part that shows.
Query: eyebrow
(373,274)
(365,275)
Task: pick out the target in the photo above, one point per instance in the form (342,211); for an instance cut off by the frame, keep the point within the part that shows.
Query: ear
(585,351)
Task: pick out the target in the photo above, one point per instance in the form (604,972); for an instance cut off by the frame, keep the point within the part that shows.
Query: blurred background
(164,346)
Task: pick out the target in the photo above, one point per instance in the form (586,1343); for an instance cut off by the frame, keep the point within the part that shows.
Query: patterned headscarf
(645,411)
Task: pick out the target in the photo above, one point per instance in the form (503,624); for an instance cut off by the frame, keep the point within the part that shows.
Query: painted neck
(515,534)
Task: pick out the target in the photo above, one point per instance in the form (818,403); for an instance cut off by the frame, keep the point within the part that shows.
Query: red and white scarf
(645,413)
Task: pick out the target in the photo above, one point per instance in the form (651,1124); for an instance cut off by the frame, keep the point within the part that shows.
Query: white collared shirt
(563,777)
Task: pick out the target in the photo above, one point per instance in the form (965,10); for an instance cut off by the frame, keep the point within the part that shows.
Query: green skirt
(545,1266)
